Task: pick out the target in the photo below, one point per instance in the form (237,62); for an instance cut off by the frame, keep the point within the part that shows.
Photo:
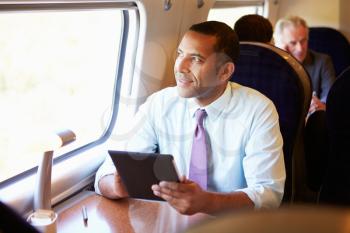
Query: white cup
(44,220)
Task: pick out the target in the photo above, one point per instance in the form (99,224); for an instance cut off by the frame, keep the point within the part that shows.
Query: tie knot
(200,114)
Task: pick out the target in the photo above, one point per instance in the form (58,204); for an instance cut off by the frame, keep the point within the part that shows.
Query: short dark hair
(226,38)
(253,28)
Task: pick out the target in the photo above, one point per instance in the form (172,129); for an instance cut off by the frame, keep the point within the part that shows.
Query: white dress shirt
(243,130)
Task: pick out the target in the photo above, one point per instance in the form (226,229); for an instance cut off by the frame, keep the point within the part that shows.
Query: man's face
(196,71)
(295,41)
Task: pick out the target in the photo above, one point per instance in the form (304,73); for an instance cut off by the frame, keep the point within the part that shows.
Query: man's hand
(316,105)
(111,186)
(186,197)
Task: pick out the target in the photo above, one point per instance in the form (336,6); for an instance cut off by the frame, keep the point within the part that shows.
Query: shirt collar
(215,108)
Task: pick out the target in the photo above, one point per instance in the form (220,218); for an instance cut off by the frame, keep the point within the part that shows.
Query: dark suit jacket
(321,71)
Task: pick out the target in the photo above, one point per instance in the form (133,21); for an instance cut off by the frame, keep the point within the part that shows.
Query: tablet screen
(139,171)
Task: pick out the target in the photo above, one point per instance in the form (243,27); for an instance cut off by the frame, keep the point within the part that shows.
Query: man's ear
(226,71)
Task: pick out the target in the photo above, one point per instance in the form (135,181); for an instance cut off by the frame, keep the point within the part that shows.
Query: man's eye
(197,59)
(180,54)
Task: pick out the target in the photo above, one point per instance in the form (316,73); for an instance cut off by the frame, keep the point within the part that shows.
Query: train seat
(316,144)
(11,222)
(336,187)
(332,42)
(281,78)
(291,219)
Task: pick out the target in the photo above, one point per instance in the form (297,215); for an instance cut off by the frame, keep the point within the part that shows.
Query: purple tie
(198,165)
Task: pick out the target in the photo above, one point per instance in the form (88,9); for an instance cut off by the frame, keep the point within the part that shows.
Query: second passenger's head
(291,34)
(205,61)
(254,28)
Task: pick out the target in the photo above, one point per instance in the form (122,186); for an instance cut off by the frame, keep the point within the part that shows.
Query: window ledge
(68,177)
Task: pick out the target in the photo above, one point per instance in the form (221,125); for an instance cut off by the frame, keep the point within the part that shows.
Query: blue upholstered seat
(281,78)
(332,42)
(316,143)
(11,222)
(336,187)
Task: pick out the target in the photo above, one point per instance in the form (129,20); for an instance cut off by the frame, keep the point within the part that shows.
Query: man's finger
(166,197)
(179,187)
(169,185)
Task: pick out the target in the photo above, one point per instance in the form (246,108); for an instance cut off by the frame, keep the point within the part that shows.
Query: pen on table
(85,216)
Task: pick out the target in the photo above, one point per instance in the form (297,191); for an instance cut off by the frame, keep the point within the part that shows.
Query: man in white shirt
(245,165)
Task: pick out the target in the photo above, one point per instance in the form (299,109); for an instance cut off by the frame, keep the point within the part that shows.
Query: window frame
(222,4)
(230,4)
(28,176)
(234,4)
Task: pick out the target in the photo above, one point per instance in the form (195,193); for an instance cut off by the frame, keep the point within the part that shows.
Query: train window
(58,71)
(230,11)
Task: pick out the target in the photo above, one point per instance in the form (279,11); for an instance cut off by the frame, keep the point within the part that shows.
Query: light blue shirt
(243,130)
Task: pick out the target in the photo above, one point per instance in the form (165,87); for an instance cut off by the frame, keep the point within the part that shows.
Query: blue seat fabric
(266,71)
(332,42)
(336,187)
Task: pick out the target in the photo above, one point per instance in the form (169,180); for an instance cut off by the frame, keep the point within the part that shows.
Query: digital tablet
(139,171)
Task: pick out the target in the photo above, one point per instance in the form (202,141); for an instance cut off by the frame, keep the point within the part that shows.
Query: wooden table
(127,215)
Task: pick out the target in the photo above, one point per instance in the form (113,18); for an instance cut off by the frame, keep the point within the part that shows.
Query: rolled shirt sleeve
(263,163)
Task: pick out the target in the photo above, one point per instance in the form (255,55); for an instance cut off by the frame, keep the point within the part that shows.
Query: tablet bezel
(139,171)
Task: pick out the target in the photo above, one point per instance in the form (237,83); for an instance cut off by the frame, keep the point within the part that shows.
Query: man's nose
(299,47)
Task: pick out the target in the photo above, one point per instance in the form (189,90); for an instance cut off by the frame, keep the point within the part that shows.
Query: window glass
(232,14)
(57,72)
